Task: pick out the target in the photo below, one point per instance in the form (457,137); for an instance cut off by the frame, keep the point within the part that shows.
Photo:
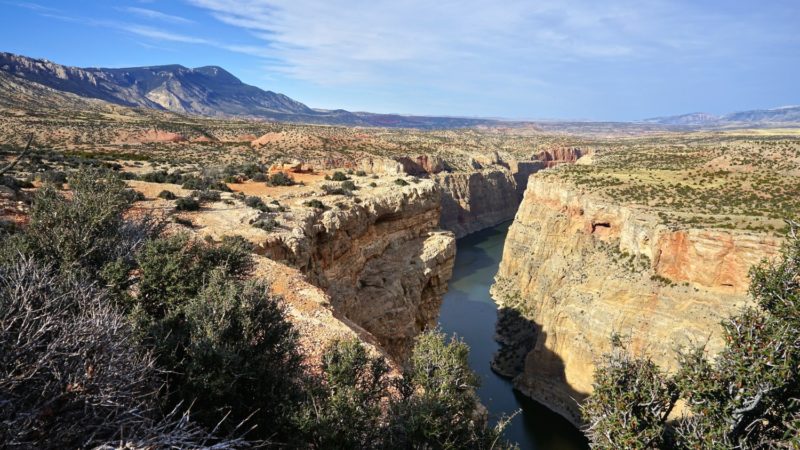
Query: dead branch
(19,157)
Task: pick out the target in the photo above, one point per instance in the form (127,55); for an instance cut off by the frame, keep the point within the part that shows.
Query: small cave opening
(603,227)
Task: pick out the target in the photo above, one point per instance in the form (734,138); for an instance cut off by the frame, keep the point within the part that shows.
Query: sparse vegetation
(167,195)
(187,204)
(314,203)
(280,179)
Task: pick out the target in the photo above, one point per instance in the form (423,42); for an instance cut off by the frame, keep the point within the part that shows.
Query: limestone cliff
(383,261)
(576,269)
(484,197)
(472,201)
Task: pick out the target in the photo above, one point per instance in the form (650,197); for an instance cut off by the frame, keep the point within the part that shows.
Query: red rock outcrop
(559,155)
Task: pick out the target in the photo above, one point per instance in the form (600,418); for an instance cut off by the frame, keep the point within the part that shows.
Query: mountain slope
(786,115)
(207,91)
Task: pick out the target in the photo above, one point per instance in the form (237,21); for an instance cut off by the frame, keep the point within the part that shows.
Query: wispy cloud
(478,56)
(156,15)
(330,42)
(32,6)
(162,35)
(150,32)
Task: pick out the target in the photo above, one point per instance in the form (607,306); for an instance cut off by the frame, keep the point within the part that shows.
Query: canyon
(373,267)
(647,238)
(377,262)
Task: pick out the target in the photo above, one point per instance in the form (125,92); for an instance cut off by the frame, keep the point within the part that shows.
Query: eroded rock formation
(559,155)
(384,262)
(576,269)
(484,197)
(472,201)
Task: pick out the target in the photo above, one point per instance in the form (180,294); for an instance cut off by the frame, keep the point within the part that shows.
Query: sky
(514,59)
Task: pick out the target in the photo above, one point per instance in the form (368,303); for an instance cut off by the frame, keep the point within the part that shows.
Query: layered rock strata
(373,266)
(576,269)
(472,201)
(384,262)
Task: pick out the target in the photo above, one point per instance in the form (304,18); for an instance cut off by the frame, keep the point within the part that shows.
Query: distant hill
(209,91)
(786,115)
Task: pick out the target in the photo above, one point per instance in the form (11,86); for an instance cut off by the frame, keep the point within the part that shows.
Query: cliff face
(576,269)
(559,155)
(472,201)
(383,262)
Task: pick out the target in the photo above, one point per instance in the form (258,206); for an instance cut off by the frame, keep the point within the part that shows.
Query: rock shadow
(537,371)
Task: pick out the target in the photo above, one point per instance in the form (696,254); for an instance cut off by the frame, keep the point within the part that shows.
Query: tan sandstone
(580,269)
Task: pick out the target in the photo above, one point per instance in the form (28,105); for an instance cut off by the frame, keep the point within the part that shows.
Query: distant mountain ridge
(789,115)
(207,91)
(211,91)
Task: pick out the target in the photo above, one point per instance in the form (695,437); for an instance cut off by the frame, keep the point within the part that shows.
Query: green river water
(468,312)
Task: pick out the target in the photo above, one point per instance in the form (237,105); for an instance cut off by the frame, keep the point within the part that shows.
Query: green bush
(339,176)
(239,355)
(161,176)
(746,397)
(208,196)
(280,179)
(56,177)
(439,401)
(266,223)
(630,402)
(174,268)
(343,409)
(334,190)
(167,195)
(349,186)
(314,203)
(435,406)
(255,202)
(187,204)
(84,230)
(401,182)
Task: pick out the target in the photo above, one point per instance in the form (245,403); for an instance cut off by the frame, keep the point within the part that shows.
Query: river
(469,312)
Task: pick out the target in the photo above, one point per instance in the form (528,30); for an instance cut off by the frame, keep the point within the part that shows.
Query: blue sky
(566,59)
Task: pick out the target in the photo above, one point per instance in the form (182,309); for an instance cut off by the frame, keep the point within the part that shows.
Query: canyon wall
(576,269)
(484,197)
(384,262)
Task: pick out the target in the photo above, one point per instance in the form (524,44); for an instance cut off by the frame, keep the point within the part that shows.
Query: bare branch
(19,157)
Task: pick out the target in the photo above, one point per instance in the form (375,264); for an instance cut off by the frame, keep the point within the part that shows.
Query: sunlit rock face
(577,269)
(383,262)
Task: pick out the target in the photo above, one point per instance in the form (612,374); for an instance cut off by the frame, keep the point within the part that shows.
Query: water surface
(468,311)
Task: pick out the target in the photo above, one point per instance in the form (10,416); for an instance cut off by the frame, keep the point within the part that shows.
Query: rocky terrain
(609,247)
(373,265)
